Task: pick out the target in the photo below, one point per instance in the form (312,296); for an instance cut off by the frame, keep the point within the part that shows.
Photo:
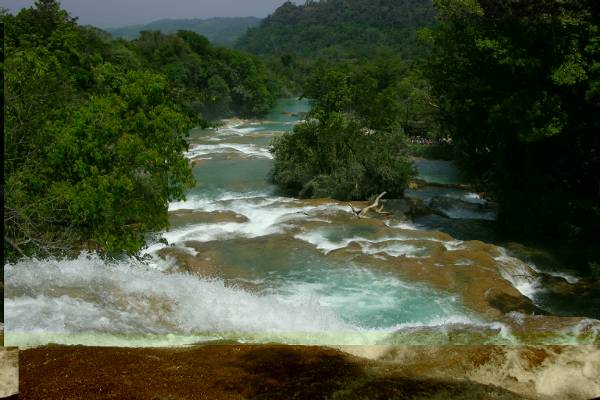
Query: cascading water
(245,264)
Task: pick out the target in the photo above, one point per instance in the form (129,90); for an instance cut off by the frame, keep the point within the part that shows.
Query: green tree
(345,150)
(92,150)
(517,85)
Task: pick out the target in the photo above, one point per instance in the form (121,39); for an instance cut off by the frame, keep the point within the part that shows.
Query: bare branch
(14,245)
(375,204)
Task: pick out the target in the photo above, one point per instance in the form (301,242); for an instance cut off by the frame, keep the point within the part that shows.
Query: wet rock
(306,372)
(507,303)
(588,287)
(535,255)
(201,264)
(480,284)
(571,298)
(191,217)
(420,183)
(236,371)
(539,372)
(238,259)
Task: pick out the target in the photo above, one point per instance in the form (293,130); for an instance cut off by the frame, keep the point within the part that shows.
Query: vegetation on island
(353,144)
(95,129)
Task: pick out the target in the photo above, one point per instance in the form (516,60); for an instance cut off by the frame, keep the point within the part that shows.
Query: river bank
(303,372)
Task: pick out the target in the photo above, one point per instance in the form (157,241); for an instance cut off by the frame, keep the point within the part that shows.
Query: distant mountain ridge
(339,27)
(382,12)
(221,30)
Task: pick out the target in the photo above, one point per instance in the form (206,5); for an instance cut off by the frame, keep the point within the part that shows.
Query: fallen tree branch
(380,211)
(362,213)
(354,210)
(375,204)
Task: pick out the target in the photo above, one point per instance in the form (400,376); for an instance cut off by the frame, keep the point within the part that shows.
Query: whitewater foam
(131,303)
(391,245)
(89,295)
(249,150)
(265,216)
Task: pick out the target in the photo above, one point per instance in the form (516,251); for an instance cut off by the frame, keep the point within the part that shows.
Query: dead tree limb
(380,211)
(14,245)
(374,205)
(362,213)
(354,210)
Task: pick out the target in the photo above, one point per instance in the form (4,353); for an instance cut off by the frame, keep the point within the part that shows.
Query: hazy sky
(113,13)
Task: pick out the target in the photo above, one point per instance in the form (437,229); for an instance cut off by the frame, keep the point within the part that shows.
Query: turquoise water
(438,171)
(284,270)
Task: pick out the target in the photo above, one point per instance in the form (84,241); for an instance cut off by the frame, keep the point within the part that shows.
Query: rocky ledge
(304,372)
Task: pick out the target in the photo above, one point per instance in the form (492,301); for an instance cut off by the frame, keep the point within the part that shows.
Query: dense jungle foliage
(518,85)
(294,37)
(340,28)
(353,144)
(95,128)
(513,84)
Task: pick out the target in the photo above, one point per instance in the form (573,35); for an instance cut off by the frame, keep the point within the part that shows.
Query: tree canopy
(352,145)
(340,28)
(518,83)
(95,128)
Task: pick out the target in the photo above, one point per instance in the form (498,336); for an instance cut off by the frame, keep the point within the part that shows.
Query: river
(242,263)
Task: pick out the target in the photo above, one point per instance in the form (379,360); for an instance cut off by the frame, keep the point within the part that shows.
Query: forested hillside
(220,31)
(340,28)
(95,128)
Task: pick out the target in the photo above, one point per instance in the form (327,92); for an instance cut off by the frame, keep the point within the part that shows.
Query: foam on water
(401,225)
(130,303)
(372,300)
(9,372)
(393,248)
(569,372)
(392,245)
(216,203)
(427,193)
(464,205)
(520,274)
(88,295)
(250,150)
(266,216)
